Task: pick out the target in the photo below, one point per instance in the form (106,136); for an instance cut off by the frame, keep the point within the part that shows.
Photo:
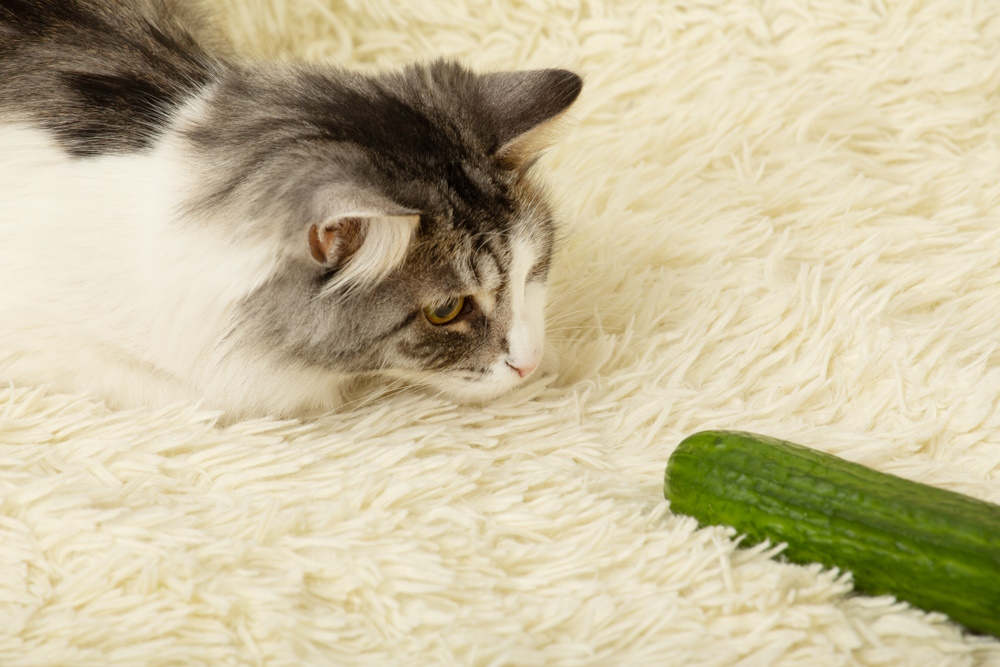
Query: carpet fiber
(780,216)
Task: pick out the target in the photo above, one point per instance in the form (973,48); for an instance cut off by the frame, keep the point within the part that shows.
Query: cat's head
(415,243)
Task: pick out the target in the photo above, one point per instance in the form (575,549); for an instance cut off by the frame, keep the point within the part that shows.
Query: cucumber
(936,549)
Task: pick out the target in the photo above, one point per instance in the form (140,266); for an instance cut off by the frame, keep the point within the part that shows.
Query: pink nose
(523,371)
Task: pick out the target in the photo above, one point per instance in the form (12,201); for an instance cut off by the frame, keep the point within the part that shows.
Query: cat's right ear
(524,109)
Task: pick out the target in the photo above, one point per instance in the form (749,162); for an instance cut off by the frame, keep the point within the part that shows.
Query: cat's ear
(524,109)
(362,245)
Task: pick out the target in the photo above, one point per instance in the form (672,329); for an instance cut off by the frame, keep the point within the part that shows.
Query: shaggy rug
(780,216)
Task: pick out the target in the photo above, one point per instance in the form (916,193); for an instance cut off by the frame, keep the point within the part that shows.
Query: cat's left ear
(525,107)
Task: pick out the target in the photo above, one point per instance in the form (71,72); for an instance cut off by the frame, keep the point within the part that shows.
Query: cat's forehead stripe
(523,258)
(491,268)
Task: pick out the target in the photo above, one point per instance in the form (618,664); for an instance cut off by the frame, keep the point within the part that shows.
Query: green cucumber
(936,549)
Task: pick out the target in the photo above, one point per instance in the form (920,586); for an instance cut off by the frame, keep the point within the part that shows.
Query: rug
(778,216)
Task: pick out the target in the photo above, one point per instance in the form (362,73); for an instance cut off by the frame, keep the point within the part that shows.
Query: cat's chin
(475,392)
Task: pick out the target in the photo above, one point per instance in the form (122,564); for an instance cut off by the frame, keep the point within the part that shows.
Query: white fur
(528,329)
(103,291)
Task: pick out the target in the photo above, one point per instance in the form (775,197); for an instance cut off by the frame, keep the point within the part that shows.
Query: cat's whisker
(566,334)
(568,287)
(392,387)
(614,310)
(562,355)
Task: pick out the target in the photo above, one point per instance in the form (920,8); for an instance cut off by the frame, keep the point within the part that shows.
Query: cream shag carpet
(781,216)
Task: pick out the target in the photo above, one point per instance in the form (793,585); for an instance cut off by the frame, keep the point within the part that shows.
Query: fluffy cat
(177,224)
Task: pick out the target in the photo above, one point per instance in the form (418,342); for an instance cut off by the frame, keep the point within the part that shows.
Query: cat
(178,224)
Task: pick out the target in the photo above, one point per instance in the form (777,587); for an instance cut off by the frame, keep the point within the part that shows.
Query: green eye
(446,312)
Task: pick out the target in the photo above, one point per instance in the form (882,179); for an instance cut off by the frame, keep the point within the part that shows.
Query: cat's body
(176,225)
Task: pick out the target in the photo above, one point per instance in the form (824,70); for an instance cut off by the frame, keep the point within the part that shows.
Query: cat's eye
(446,312)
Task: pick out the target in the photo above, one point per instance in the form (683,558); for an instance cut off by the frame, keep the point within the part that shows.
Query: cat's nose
(523,371)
